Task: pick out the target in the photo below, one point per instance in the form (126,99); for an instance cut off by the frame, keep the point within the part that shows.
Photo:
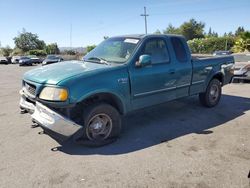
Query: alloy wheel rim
(214,93)
(99,127)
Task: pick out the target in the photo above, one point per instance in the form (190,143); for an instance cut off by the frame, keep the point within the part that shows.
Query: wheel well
(107,98)
(219,77)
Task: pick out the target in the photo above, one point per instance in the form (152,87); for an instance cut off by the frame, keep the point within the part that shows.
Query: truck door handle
(171,71)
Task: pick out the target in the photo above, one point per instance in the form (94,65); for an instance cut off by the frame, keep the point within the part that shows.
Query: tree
(52,49)
(215,34)
(230,34)
(192,29)
(6,51)
(28,41)
(17,51)
(211,33)
(91,47)
(37,52)
(239,31)
(242,43)
(158,32)
(171,30)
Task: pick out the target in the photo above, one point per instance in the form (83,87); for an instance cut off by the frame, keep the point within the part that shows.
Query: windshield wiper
(99,60)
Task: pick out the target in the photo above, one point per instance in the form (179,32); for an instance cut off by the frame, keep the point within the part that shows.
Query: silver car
(241,68)
(3,60)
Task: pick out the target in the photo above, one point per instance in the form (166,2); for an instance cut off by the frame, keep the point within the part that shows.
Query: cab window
(158,51)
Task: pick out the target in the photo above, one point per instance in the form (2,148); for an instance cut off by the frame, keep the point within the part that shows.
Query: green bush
(91,47)
(52,49)
(37,52)
(242,43)
(211,44)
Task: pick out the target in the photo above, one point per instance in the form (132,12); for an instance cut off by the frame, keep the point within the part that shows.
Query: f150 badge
(122,80)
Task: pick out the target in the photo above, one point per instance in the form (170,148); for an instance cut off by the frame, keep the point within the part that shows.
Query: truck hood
(54,73)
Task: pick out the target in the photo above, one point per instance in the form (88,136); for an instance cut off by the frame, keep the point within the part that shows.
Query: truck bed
(207,66)
(212,60)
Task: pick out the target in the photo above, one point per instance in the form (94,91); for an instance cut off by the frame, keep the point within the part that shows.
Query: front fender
(118,96)
(114,81)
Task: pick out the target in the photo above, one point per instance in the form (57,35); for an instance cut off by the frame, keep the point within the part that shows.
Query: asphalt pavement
(177,144)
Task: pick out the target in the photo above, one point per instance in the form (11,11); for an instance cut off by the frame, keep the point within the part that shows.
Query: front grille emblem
(31,90)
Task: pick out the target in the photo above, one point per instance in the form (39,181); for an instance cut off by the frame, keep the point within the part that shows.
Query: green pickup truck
(88,98)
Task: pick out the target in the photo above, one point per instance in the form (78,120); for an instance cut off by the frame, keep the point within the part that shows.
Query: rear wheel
(212,95)
(102,125)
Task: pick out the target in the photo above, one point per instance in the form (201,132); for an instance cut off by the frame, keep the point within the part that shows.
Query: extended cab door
(183,65)
(155,83)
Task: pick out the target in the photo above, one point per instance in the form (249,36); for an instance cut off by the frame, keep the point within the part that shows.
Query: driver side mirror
(144,60)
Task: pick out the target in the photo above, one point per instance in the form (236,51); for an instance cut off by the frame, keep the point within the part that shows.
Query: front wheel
(102,125)
(212,95)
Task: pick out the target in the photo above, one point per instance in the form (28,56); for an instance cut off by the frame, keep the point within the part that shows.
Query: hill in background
(76,49)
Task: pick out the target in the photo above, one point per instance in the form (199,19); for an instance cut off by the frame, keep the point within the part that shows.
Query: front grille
(31,89)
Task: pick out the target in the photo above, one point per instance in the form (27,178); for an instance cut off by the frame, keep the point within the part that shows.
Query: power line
(145,18)
(198,11)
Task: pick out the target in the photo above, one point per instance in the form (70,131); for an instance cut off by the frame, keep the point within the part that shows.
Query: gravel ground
(178,144)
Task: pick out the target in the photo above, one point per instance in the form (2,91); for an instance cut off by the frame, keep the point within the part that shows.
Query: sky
(91,20)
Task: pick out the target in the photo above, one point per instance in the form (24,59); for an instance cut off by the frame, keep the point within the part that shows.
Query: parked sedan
(35,59)
(25,61)
(52,59)
(242,68)
(3,60)
(221,53)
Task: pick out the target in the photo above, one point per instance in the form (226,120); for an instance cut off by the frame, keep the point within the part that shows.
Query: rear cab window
(179,49)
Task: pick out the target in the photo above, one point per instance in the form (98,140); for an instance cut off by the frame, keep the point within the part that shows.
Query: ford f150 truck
(87,98)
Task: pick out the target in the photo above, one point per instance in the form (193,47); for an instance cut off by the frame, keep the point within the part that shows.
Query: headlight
(54,94)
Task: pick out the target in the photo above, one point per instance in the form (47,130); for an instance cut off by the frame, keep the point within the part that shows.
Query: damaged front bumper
(49,119)
(24,103)
(26,106)
(53,121)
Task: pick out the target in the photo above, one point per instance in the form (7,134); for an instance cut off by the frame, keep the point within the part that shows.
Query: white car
(15,59)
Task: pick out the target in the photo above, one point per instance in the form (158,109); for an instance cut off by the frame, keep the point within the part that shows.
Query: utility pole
(70,36)
(226,45)
(145,17)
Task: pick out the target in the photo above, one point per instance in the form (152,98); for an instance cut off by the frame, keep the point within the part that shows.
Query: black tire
(212,95)
(104,112)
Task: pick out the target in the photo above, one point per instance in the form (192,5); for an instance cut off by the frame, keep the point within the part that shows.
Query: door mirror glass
(144,60)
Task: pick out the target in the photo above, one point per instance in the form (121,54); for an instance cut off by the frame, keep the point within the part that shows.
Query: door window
(157,48)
